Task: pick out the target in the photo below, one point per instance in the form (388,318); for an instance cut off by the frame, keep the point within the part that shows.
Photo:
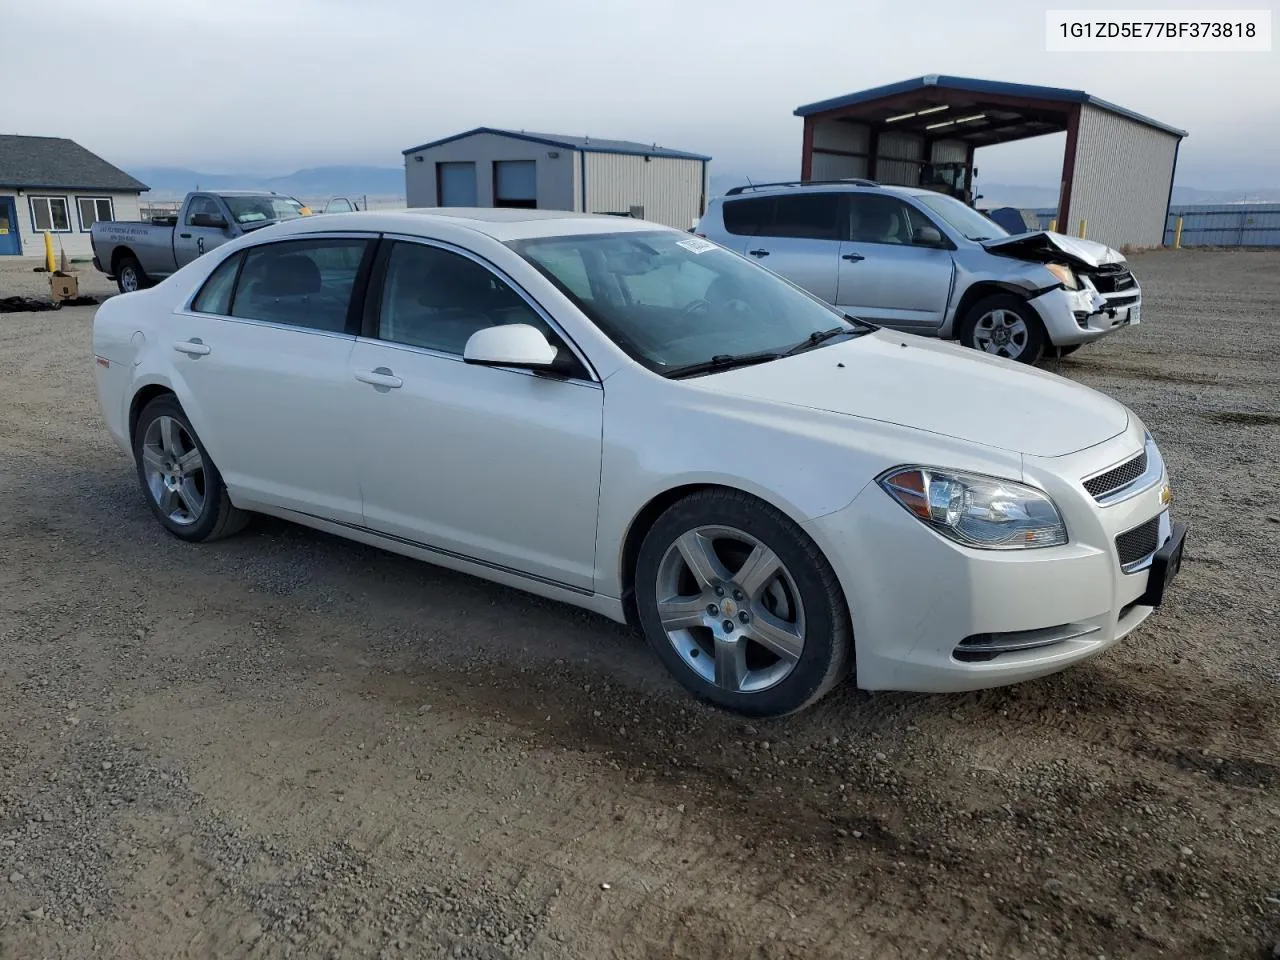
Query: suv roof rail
(848,181)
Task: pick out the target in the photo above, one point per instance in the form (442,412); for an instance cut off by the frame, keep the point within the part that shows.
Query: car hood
(1045,245)
(927,384)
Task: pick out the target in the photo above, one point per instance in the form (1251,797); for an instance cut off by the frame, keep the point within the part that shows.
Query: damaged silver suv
(925,263)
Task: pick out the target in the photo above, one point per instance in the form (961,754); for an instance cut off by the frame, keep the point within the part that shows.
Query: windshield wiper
(721,361)
(820,336)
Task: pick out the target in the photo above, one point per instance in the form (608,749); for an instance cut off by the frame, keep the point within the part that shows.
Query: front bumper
(1081,316)
(928,613)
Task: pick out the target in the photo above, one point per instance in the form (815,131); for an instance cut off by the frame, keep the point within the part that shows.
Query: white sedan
(636,421)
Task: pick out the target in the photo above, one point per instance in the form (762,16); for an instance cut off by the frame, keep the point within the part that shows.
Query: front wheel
(182,486)
(741,606)
(1004,326)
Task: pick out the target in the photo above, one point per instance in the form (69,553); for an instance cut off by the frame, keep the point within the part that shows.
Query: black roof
(58,163)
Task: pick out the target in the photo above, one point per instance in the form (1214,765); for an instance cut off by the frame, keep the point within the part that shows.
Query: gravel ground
(288,745)
(19,279)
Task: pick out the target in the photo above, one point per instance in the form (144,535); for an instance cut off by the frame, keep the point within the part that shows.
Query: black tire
(130,276)
(1031,346)
(1067,350)
(826,653)
(218,517)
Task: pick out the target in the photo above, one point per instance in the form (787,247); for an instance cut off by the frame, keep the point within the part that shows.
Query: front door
(489,464)
(802,241)
(10,240)
(885,275)
(266,370)
(191,241)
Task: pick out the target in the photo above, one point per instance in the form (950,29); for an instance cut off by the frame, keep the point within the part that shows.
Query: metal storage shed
(488,167)
(1117,170)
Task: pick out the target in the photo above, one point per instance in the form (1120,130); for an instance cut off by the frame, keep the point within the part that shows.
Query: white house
(54,184)
(487,167)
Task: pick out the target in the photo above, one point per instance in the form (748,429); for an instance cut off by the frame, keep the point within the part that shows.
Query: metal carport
(1117,170)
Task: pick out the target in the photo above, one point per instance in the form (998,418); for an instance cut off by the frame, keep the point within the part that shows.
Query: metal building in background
(1117,169)
(487,167)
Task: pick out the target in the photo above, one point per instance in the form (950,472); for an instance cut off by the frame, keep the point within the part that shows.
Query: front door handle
(185,236)
(852,257)
(758,253)
(381,377)
(192,348)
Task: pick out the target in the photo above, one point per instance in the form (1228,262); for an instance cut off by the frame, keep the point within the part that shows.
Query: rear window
(748,217)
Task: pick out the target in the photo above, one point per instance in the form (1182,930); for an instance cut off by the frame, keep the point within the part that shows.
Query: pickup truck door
(884,275)
(190,240)
(802,241)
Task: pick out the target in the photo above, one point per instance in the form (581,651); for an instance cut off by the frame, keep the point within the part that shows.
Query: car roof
(827,187)
(500,224)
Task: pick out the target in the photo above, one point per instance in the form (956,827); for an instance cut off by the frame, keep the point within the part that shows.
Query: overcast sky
(269,86)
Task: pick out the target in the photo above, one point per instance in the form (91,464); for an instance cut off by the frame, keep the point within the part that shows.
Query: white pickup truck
(137,254)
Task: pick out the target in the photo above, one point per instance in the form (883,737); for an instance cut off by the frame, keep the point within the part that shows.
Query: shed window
(94,210)
(515,184)
(50,213)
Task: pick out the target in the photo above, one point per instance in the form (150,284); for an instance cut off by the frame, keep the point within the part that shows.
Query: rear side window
(215,295)
(748,218)
(807,216)
(302,283)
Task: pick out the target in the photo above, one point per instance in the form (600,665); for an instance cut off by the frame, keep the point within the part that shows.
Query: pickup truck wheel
(130,276)
(1005,326)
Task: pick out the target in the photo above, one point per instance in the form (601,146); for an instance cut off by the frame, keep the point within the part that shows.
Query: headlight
(977,511)
(1064,274)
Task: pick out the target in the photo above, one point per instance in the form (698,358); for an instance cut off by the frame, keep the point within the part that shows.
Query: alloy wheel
(1001,332)
(174,471)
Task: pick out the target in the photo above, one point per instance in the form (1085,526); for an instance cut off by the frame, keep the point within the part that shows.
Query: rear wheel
(1004,326)
(130,276)
(182,486)
(741,606)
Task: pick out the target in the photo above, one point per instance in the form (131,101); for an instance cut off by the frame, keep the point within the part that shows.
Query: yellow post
(50,263)
(1083,224)
(1053,225)
(1177,235)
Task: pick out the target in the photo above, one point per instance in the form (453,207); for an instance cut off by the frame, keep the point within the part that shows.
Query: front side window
(436,299)
(94,210)
(199,205)
(878,218)
(303,283)
(672,301)
(50,213)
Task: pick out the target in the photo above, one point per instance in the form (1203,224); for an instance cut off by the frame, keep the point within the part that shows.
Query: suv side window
(807,216)
(436,299)
(303,283)
(749,217)
(879,218)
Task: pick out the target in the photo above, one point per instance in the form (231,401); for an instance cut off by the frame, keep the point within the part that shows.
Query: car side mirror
(511,345)
(928,237)
(208,220)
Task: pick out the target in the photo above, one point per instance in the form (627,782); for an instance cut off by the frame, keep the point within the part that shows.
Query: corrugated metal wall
(836,166)
(840,135)
(670,190)
(1224,225)
(950,151)
(892,156)
(1121,183)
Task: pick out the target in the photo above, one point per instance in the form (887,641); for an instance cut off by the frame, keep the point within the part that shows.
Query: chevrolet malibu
(639,422)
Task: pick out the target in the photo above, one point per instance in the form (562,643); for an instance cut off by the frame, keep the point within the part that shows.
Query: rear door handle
(758,253)
(192,348)
(852,257)
(185,236)
(381,377)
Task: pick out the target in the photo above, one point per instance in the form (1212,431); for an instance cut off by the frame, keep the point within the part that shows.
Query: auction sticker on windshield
(696,245)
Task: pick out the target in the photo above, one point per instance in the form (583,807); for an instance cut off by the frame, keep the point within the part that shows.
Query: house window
(93,210)
(50,213)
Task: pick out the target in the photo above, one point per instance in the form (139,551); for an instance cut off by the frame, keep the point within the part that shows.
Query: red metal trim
(806,152)
(1068,171)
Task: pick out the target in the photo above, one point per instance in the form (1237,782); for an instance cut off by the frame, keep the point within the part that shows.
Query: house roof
(971,85)
(584,144)
(58,163)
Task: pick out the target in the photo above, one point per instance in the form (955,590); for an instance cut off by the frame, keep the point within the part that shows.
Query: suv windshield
(673,302)
(262,209)
(961,217)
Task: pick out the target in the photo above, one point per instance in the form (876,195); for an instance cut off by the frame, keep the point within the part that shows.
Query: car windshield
(262,209)
(675,302)
(962,217)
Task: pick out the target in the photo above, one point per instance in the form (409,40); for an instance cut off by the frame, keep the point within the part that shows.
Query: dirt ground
(288,745)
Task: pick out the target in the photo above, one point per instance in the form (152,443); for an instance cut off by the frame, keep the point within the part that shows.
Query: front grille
(1112,278)
(1141,541)
(1122,301)
(1118,477)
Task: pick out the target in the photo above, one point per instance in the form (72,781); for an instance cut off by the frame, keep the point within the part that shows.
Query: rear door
(802,241)
(261,360)
(885,274)
(743,219)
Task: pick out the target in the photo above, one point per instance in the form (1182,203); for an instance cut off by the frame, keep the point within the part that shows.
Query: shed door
(456,184)
(515,184)
(10,242)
